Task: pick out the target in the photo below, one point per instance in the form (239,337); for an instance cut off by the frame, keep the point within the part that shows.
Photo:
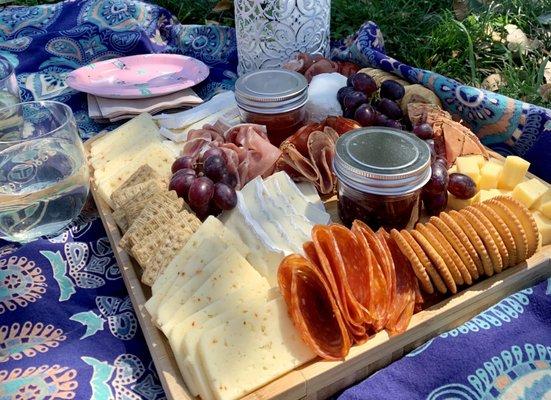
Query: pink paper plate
(133,77)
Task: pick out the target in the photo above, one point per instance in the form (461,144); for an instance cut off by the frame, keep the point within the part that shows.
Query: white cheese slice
(248,352)
(186,334)
(231,272)
(211,228)
(310,206)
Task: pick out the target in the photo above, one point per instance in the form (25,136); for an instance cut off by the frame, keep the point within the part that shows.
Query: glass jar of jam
(274,98)
(380,173)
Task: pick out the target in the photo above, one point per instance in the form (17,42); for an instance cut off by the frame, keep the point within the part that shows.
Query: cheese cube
(529,192)
(488,194)
(457,204)
(513,172)
(543,205)
(489,175)
(469,165)
(544,226)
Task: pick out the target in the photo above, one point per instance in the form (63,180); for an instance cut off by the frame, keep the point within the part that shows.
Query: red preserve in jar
(274,98)
(380,174)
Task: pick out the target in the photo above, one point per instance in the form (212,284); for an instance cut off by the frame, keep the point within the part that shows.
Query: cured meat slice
(407,289)
(382,274)
(313,308)
(333,267)
(321,147)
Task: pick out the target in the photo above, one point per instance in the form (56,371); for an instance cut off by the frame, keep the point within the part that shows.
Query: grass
(429,35)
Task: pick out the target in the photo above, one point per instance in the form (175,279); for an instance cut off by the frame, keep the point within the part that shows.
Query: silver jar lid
(271,91)
(382,161)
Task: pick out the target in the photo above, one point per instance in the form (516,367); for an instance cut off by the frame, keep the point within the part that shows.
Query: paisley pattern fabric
(67,327)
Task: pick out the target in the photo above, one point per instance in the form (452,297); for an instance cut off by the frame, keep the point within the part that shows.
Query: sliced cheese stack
(118,154)
(274,218)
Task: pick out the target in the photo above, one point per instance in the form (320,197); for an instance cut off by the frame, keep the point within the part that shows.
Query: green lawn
(428,34)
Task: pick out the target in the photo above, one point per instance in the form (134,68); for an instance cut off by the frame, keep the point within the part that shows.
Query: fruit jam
(380,173)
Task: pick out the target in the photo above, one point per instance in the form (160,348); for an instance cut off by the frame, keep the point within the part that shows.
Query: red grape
(181,183)
(438,181)
(363,83)
(224,196)
(214,151)
(214,167)
(183,162)
(229,179)
(391,123)
(185,171)
(392,90)
(344,91)
(389,108)
(365,115)
(423,131)
(200,192)
(461,186)
(380,119)
(353,100)
(434,203)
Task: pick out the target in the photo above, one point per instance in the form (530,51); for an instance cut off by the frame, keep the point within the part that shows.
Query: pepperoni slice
(407,289)
(313,308)
(335,271)
(379,299)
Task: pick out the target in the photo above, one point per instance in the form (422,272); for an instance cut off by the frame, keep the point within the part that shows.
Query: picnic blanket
(67,327)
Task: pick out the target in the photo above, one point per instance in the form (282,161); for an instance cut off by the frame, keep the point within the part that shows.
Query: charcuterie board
(319,378)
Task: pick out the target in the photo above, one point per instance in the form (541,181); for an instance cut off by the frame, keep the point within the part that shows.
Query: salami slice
(333,267)
(407,289)
(313,308)
(378,285)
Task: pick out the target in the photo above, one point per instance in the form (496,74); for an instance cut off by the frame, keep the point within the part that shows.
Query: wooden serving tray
(319,379)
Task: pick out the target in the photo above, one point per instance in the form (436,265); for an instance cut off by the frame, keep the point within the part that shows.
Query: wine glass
(9,91)
(44,179)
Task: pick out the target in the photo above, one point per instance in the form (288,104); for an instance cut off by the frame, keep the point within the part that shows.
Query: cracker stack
(155,222)
(458,247)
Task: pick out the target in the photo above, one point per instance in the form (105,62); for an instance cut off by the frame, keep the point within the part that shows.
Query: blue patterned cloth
(67,327)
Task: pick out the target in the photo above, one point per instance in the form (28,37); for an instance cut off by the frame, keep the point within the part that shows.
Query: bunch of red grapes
(435,192)
(205,184)
(370,105)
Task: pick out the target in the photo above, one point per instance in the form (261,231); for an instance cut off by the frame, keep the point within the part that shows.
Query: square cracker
(160,209)
(142,174)
(137,192)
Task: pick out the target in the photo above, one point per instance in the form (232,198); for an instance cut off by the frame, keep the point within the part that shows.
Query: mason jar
(270,32)
(380,173)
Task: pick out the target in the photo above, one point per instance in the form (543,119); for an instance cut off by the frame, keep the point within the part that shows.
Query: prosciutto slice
(248,151)
(313,308)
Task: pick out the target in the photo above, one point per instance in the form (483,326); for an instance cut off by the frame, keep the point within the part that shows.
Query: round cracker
(526,219)
(503,230)
(434,275)
(448,260)
(484,235)
(457,245)
(475,240)
(437,261)
(513,223)
(416,265)
(493,233)
(473,253)
(465,274)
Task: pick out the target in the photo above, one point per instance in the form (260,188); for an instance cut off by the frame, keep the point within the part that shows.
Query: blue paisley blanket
(67,327)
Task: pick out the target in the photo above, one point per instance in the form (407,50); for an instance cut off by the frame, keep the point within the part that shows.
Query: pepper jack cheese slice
(231,272)
(513,172)
(530,191)
(248,352)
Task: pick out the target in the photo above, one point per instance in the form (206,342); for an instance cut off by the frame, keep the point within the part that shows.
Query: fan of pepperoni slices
(351,284)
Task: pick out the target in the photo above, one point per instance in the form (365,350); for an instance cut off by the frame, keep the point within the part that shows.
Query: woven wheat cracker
(120,219)
(134,193)
(142,174)
(416,265)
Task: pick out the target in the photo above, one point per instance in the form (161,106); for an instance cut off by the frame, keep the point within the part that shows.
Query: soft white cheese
(247,352)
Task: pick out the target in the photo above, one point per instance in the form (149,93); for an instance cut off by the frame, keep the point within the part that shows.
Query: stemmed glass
(44,179)
(9,91)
